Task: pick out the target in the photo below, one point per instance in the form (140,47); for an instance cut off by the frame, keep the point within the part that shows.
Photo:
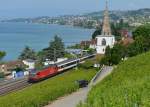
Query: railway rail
(14,85)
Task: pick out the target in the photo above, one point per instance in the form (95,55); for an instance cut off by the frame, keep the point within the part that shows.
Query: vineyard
(127,86)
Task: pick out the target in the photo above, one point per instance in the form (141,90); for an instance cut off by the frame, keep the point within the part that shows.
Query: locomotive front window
(32,73)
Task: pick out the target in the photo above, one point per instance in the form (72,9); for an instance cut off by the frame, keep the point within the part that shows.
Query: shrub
(87,65)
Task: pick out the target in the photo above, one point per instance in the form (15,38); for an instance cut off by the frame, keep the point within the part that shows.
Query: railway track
(13,86)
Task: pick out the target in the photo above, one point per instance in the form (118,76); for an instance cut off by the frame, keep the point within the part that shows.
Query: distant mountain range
(90,19)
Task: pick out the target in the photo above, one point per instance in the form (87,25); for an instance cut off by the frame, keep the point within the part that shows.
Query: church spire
(106,30)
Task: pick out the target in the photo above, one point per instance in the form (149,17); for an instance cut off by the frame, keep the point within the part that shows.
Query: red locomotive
(51,70)
(37,75)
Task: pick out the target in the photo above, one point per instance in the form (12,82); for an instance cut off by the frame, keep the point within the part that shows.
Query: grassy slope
(41,93)
(127,86)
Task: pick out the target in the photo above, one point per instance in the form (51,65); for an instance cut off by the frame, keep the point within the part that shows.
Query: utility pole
(55,56)
(76,62)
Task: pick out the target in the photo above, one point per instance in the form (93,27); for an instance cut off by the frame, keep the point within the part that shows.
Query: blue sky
(33,8)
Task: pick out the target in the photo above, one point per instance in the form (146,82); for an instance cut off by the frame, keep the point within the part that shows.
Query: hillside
(127,86)
(90,20)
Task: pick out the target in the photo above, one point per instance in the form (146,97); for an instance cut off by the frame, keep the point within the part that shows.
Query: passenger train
(52,70)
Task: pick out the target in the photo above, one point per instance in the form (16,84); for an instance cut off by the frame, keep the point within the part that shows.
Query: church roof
(106,30)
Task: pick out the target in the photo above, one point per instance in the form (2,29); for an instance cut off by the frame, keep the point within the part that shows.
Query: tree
(143,31)
(27,53)
(2,54)
(40,59)
(139,46)
(142,41)
(114,55)
(55,50)
(106,60)
(76,46)
(96,33)
(115,28)
(118,53)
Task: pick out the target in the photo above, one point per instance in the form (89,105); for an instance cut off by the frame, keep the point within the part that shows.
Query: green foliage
(142,41)
(96,33)
(55,50)
(106,60)
(18,69)
(2,75)
(140,45)
(41,56)
(39,65)
(2,54)
(68,55)
(47,91)
(115,28)
(87,65)
(40,59)
(114,55)
(91,51)
(27,53)
(76,46)
(143,31)
(117,53)
(127,86)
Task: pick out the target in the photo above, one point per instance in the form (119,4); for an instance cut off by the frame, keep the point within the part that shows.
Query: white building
(30,63)
(106,38)
(103,42)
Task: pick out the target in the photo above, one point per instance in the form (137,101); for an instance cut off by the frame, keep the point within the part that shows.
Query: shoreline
(22,34)
(67,25)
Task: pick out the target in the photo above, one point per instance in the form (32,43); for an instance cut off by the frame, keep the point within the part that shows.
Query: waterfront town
(110,69)
(106,39)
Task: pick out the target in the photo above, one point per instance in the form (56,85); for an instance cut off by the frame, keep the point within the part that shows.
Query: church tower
(106,25)
(106,38)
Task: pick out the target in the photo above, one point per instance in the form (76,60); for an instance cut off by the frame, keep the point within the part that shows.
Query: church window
(103,50)
(103,42)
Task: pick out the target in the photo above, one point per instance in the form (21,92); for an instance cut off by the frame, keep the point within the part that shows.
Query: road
(81,95)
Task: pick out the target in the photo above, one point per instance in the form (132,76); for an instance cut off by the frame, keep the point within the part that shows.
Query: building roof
(106,30)
(30,60)
(12,64)
(127,40)
(87,43)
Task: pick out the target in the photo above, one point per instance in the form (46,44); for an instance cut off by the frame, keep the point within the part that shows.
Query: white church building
(106,38)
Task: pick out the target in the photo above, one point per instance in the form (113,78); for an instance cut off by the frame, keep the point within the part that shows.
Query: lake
(15,36)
